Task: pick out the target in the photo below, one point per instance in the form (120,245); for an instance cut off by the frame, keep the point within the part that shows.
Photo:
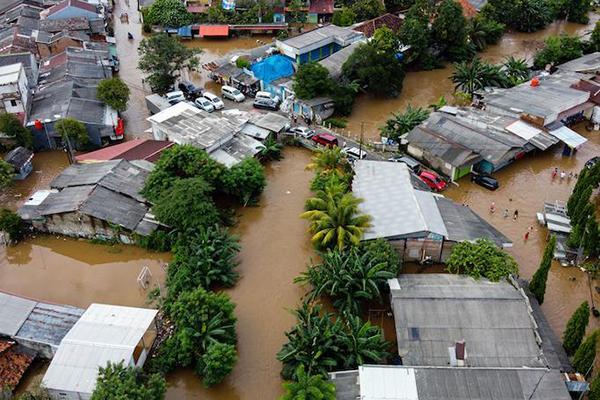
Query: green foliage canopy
(482,259)
(116,381)
(11,126)
(114,92)
(537,286)
(576,326)
(7,172)
(168,13)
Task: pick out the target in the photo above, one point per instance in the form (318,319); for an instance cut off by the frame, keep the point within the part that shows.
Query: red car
(433,180)
(325,139)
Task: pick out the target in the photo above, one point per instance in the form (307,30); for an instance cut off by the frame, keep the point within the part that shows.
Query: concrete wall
(413,250)
(57,47)
(77,225)
(429,159)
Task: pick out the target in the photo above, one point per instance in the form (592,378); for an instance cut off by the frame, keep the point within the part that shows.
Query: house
(21,159)
(37,326)
(219,136)
(131,150)
(271,69)
(104,333)
(334,62)
(455,320)
(396,382)
(14,91)
(369,27)
(317,109)
(320,11)
(71,9)
(29,64)
(316,44)
(97,200)
(417,223)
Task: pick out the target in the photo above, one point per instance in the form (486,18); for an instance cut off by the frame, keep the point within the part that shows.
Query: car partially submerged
(486,181)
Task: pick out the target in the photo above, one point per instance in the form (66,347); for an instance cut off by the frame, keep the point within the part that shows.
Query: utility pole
(362,132)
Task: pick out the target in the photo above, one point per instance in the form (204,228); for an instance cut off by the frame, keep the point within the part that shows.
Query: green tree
(376,72)
(296,11)
(591,240)
(202,258)
(558,50)
(449,31)
(115,381)
(7,173)
(114,92)
(522,15)
(11,222)
(474,75)
(537,286)
(216,363)
(577,11)
(187,205)
(168,13)
(516,70)
(181,162)
(312,80)
(11,126)
(402,123)
(584,357)
(414,32)
(348,278)
(594,393)
(308,387)
(381,251)
(576,326)
(344,17)
(72,129)
(384,39)
(361,343)
(271,151)
(594,42)
(161,58)
(482,259)
(330,160)
(367,9)
(483,31)
(245,180)
(344,95)
(339,225)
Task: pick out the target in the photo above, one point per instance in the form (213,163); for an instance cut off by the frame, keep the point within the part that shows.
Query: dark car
(486,181)
(589,164)
(190,90)
(267,104)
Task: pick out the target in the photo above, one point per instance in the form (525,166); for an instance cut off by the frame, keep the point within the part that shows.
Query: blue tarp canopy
(273,68)
(185,31)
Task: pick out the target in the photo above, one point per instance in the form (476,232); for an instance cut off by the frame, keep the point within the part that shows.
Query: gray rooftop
(399,210)
(83,174)
(589,63)
(271,121)
(446,383)
(434,311)
(334,62)
(337,34)
(67,200)
(115,208)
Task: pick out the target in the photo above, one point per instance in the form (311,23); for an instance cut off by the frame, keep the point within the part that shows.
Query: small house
(320,11)
(14,91)
(417,223)
(21,159)
(103,334)
(29,64)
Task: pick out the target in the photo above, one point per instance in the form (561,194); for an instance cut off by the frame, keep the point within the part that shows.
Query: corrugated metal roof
(568,137)
(13,313)
(387,383)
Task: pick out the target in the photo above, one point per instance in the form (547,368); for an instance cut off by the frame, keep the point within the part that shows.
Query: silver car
(204,104)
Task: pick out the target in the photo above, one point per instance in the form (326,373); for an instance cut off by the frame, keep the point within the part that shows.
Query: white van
(215,100)
(232,93)
(175,97)
(267,95)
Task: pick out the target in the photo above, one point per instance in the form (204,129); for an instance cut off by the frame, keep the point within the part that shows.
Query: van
(232,93)
(325,139)
(175,97)
(267,95)
(354,152)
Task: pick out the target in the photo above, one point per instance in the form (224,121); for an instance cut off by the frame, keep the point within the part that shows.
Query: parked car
(589,164)
(325,139)
(413,164)
(190,90)
(266,104)
(232,93)
(267,95)
(175,97)
(354,152)
(215,100)
(302,131)
(432,180)
(204,104)
(486,181)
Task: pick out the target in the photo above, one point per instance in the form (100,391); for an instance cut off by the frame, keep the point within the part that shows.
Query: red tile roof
(321,7)
(390,20)
(136,149)
(71,3)
(13,364)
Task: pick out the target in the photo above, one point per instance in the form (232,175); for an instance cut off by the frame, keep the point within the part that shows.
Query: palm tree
(478,33)
(361,343)
(516,70)
(333,190)
(330,160)
(470,76)
(308,387)
(402,123)
(271,151)
(338,223)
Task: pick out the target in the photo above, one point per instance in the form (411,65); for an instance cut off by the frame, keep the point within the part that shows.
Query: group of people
(506,212)
(562,175)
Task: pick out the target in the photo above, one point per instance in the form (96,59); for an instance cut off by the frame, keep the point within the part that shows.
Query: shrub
(482,259)
(242,63)
(12,224)
(537,286)
(245,180)
(216,363)
(116,381)
(576,326)
(584,357)
(336,122)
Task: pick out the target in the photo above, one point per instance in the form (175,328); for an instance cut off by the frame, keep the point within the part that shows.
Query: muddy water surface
(525,185)
(275,249)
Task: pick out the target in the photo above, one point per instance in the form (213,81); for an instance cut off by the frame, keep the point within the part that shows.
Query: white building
(14,92)
(103,333)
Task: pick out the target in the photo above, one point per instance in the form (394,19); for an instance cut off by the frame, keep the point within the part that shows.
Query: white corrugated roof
(387,383)
(172,112)
(103,333)
(568,137)
(523,130)
(13,313)
(10,73)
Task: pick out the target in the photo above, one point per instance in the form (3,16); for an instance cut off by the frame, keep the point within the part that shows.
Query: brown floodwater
(525,185)
(423,88)
(275,248)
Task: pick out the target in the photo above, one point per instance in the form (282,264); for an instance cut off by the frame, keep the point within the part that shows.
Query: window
(13,103)
(414,334)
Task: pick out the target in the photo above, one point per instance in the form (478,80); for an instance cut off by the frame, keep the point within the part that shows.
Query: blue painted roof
(273,68)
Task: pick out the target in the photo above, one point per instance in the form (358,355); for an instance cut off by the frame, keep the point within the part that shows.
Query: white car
(354,152)
(204,104)
(175,97)
(214,99)
(232,93)
(267,95)
(302,131)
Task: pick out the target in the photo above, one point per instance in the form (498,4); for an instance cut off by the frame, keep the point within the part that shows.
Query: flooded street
(275,249)
(525,185)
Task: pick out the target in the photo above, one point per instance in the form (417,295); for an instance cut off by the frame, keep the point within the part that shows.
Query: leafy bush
(482,259)
(558,50)
(344,17)
(584,357)
(402,123)
(216,363)
(11,223)
(576,326)
(245,180)
(271,151)
(11,126)
(312,80)
(336,122)
(242,63)
(308,387)
(537,286)
(168,13)
(7,173)
(158,240)
(72,129)
(116,381)
(114,92)
(381,251)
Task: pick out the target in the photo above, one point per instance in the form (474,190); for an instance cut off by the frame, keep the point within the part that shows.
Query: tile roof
(136,149)
(321,6)
(18,156)
(388,20)
(71,3)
